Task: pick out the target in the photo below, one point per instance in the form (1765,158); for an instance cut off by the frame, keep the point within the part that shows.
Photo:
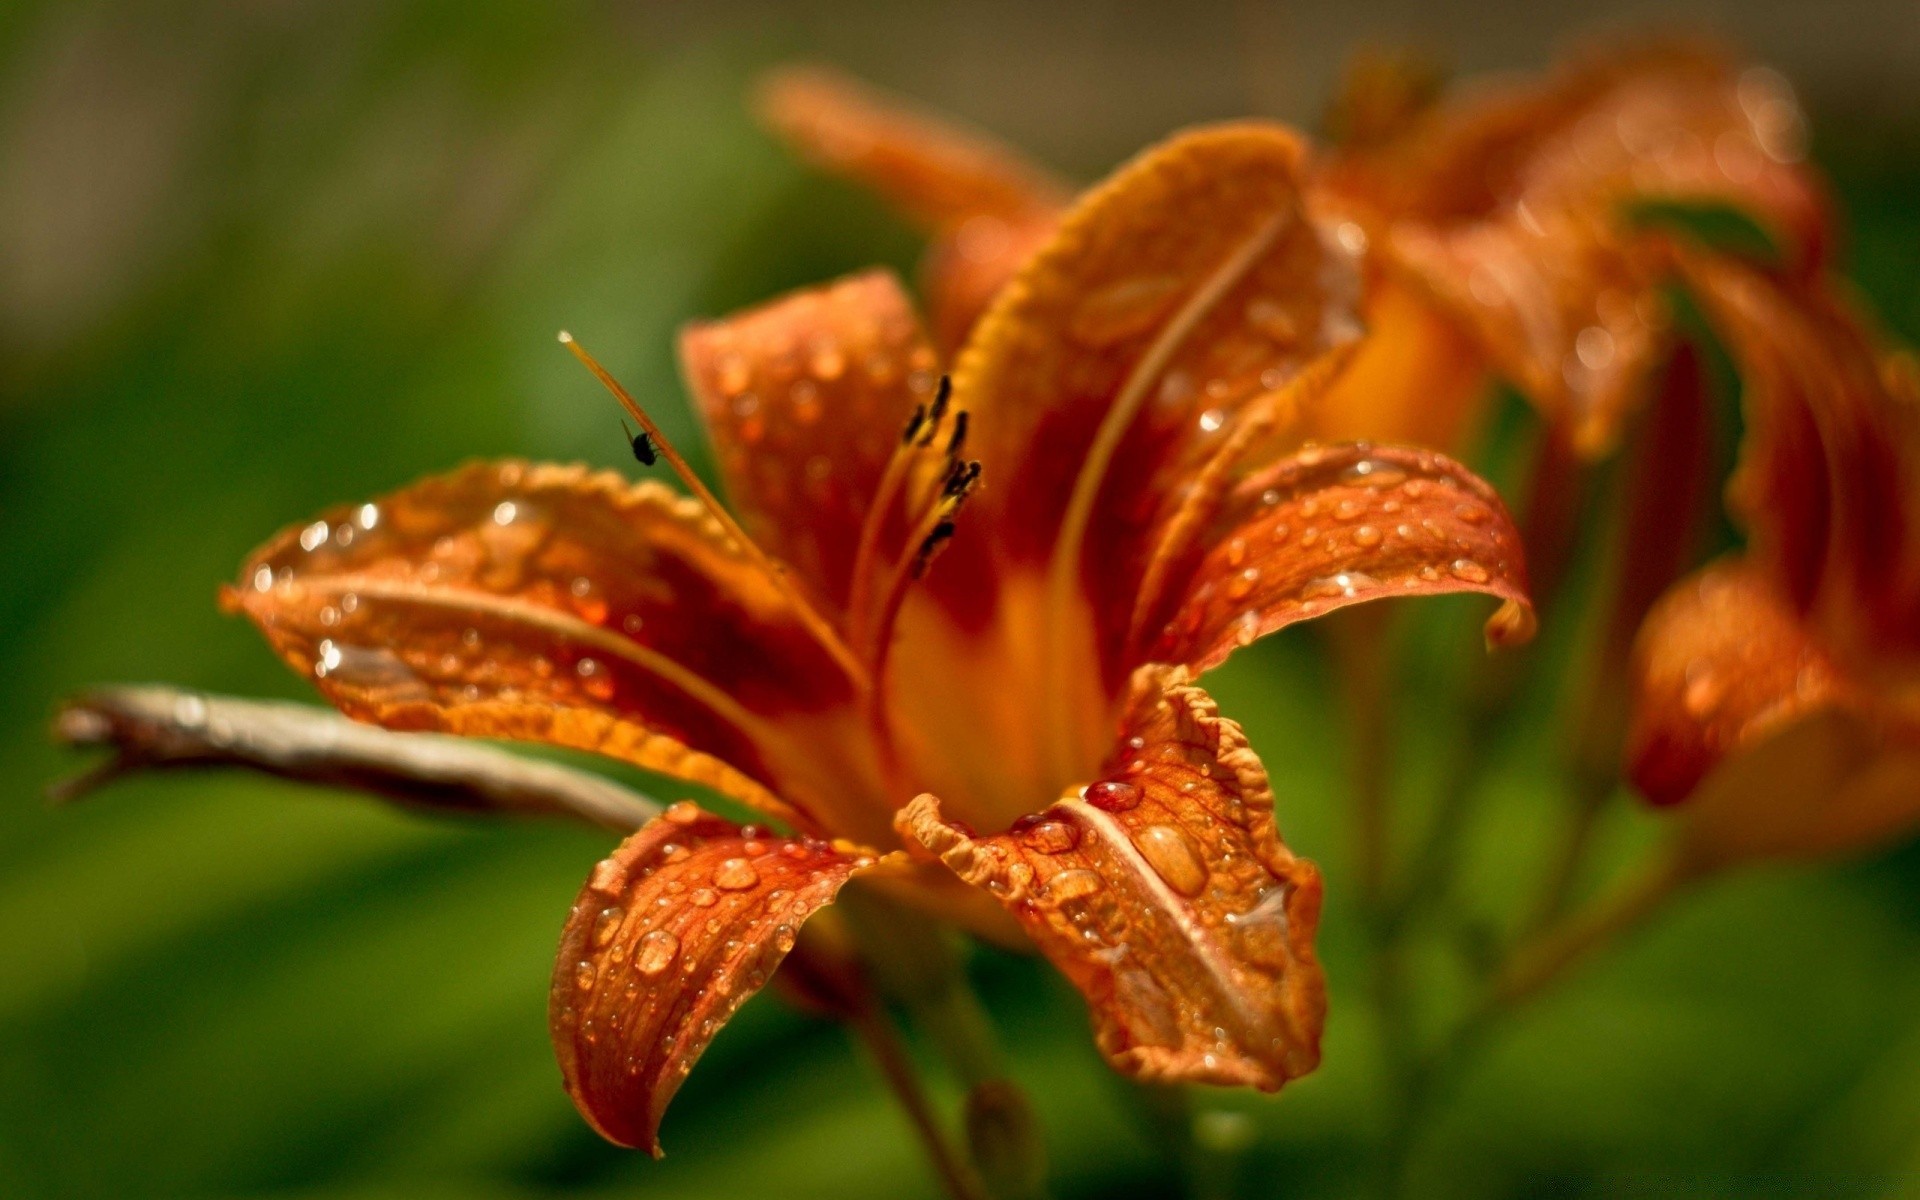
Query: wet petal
(987,207)
(1721,662)
(1163,891)
(669,936)
(1740,713)
(1338,525)
(552,604)
(1829,479)
(1186,286)
(1513,210)
(806,397)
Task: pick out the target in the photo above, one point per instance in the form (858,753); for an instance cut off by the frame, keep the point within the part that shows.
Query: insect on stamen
(642,446)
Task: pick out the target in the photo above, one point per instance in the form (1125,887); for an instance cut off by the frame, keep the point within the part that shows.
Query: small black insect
(642,446)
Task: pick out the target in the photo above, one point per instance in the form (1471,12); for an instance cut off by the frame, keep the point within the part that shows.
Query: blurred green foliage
(324,256)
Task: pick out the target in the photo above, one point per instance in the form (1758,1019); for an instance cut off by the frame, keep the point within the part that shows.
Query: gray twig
(155,727)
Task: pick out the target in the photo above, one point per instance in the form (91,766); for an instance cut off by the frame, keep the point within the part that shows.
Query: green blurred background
(260,257)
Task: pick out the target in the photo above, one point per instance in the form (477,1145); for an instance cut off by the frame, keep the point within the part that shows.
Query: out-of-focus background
(260,256)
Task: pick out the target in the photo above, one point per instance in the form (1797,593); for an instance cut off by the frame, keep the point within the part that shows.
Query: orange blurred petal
(1778,754)
(806,397)
(1415,379)
(1721,662)
(1165,894)
(987,207)
(552,604)
(1338,525)
(1829,478)
(934,170)
(668,937)
(1511,210)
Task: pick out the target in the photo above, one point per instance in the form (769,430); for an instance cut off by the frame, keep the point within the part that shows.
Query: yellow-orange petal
(806,397)
(1337,525)
(1415,379)
(552,604)
(1189,284)
(670,934)
(1741,714)
(1164,892)
(934,170)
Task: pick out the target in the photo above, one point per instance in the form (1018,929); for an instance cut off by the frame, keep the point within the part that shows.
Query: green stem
(889,1053)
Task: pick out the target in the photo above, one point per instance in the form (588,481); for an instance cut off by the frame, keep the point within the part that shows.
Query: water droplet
(735,875)
(1372,472)
(329,660)
(368,515)
(827,361)
(1052,837)
(505,512)
(607,924)
(585,974)
(1366,537)
(315,536)
(1076,884)
(1351,237)
(1595,348)
(262,578)
(632,623)
(1112,795)
(656,953)
(1174,856)
(783,937)
(704,897)
(683,812)
(609,877)
(1212,419)
(1467,569)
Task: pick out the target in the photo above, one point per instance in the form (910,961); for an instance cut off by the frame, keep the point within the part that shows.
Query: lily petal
(669,936)
(806,397)
(1511,210)
(1164,893)
(987,206)
(1778,753)
(1829,478)
(551,604)
(1188,285)
(1337,525)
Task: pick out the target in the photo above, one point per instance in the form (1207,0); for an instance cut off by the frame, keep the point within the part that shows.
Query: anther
(959,437)
(914,423)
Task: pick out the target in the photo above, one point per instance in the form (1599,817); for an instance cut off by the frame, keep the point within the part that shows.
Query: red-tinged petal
(552,604)
(1338,525)
(1721,662)
(1562,304)
(932,169)
(1513,211)
(669,936)
(806,397)
(1829,478)
(1164,893)
(1777,753)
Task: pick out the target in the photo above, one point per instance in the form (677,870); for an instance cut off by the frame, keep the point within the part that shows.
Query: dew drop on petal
(1172,854)
(1112,795)
(656,953)
(735,875)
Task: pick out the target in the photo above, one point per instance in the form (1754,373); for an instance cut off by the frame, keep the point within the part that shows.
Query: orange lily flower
(1498,230)
(1013,733)
(1777,692)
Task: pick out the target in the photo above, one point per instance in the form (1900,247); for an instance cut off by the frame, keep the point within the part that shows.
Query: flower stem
(154,727)
(876,1031)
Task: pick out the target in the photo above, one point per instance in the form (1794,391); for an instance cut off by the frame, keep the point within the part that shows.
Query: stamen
(929,537)
(959,438)
(920,431)
(1063,566)
(822,631)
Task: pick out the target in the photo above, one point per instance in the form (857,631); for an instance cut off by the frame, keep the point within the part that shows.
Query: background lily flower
(1022,719)
(1777,692)
(1503,228)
